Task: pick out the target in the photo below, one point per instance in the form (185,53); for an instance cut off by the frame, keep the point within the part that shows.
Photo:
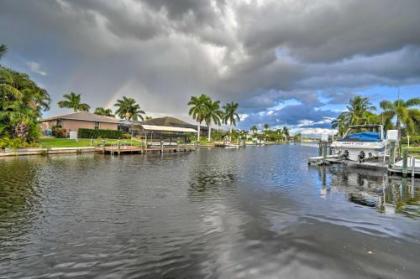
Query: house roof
(83,116)
(159,128)
(168,121)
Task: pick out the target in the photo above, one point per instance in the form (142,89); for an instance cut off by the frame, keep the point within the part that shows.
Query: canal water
(257,212)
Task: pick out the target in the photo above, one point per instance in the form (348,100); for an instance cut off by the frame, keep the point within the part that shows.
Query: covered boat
(361,143)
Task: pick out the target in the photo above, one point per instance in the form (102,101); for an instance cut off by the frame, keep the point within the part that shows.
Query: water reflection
(390,195)
(247,213)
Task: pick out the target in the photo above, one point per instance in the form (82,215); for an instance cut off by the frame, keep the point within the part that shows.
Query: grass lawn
(413,150)
(56,142)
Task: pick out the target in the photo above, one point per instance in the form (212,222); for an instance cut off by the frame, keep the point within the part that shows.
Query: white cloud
(36,68)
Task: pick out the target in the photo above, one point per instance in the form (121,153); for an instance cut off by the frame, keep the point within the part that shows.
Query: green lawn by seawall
(57,142)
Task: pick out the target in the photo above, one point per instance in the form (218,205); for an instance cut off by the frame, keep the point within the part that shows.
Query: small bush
(126,136)
(58,132)
(98,133)
(12,143)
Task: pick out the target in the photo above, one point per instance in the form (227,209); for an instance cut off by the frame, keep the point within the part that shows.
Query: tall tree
(21,104)
(104,111)
(404,111)
(286,132)
(213,114)
(254,129)
(127,108)
(3,50)
(198,106)
(359,112)
(73,101)
(340,123)
(231,116)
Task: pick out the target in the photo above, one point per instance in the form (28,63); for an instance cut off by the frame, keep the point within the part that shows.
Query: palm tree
(73,101)
(278,134)
(340,123)
(198,107)
(266,128)
(212,114)
(127,108)
(21,105)
(286,132)
(230,115)
(359,111)
(254,129)
(104,111)
(3,50)
(403,111)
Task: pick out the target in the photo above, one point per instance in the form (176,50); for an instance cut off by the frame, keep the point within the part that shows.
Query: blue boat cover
(364,136)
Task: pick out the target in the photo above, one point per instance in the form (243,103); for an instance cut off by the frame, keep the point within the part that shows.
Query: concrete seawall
(46,151)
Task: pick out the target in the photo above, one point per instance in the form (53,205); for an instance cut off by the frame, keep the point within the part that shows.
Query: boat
(227,144)
(362,143)
(412,167)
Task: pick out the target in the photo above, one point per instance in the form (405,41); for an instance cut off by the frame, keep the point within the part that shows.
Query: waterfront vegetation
(104,112)
(22,102)
(73,101)
(128,109)
(401,115)
(204,109)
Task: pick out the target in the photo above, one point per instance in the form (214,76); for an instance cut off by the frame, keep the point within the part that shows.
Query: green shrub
(12,143)
(98,133)
(58,132)
(126,136)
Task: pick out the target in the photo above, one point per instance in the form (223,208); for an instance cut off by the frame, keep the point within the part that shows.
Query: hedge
(98,133)
(413,140)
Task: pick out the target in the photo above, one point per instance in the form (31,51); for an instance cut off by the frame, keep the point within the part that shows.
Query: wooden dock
(119,150)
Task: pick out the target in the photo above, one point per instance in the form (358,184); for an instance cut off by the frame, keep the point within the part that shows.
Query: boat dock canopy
(155,128)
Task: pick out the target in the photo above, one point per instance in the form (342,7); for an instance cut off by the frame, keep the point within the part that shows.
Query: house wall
(48,125)
(108,126)
(75,125)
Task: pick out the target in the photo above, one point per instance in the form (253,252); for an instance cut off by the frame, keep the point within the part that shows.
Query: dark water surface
(258,212)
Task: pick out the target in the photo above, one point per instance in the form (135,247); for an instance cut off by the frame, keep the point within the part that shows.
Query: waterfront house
(83,119)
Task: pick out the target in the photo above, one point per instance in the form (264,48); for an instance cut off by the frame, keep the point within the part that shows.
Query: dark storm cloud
(261,54)
(325,31)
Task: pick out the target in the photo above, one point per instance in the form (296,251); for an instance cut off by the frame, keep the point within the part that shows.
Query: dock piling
(392,154)
(413,166)
(405,163)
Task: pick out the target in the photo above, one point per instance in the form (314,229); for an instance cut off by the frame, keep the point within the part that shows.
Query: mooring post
(119,147)
(324,151)
(392,154)
(320,148)
(405,163)
(413,166)
(161,146)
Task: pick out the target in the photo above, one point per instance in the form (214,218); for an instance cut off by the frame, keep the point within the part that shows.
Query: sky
(286,62)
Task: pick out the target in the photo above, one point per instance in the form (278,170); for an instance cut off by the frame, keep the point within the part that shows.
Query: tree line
(402,115)
(204,109)
(21,104)
(127,108)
